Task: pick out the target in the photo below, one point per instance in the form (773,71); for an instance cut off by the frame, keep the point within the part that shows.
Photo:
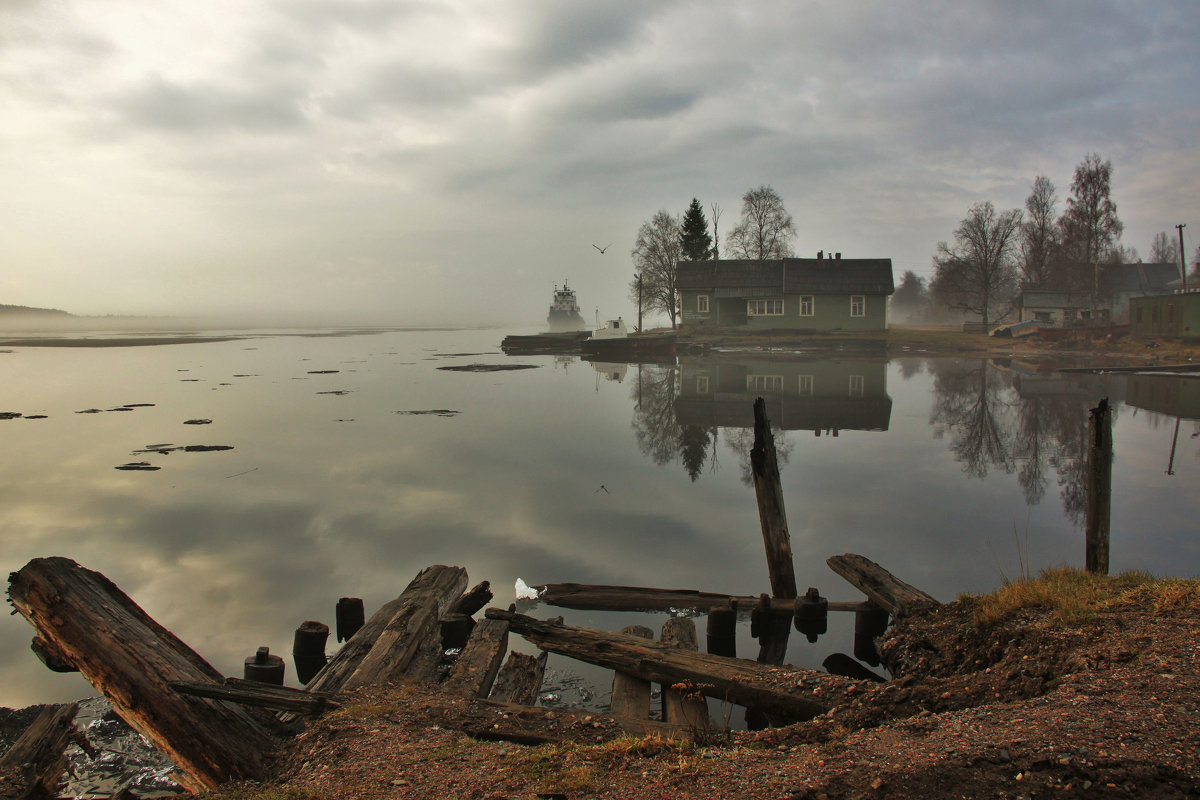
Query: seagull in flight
(602,249)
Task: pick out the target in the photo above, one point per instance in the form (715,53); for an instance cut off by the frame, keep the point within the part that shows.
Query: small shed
(1175,315)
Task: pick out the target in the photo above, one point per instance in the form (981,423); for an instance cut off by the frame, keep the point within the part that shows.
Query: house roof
(747,278)
(1043,298)
(1143,277)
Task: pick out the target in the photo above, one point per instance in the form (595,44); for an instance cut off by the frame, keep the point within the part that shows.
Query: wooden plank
(34,764)
(1099,489)
(440,583)
(736,680)
(631,694)
(882,587)
(131,659)
(682,703)
(764,468)
(474,600)
(480,660)
(599,597)
(520,679)
(261,695)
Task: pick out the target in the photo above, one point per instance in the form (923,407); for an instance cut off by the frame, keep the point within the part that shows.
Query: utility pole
(1182,254)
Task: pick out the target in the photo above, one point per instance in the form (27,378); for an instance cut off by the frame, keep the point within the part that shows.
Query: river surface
(338,481)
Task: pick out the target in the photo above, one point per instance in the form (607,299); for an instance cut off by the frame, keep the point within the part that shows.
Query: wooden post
(131,659)
(1099,488)
(684,705)
(631,694)
(771,514)
(308,649)
(480,660)
(350,616)
(722,630)
(520,679)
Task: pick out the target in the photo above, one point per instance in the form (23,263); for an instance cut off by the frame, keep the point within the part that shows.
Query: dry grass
(1075,595)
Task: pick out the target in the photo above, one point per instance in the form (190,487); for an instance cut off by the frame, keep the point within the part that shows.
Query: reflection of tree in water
(741,441)
(659,435)
(992,424)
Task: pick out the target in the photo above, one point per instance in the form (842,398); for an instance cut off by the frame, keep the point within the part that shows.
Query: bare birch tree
(656,255)
(765,229)
(978,273)
(1038,233)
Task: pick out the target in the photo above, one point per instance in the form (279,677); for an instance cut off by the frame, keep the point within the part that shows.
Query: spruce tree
(693,234)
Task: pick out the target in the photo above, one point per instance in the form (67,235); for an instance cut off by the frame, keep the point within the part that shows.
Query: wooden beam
(596,597)
(882,587)
(736,680)
(520,679)
(764,467)
(435,587)
(480,660)
(131,660)
(261,695)
(631,694)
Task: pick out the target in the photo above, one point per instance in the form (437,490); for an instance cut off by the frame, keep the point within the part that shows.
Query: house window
(702,304)
(806,385)
(806,305)
(701,384)
(858,305)
(764,308)
(764,383)
(856,385)
(1043,316)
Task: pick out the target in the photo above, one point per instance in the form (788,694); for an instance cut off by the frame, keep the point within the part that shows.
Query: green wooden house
(805,294)
(1175,315)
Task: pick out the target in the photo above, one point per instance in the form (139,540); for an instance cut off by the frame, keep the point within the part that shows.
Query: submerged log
(736,680)
(520,679)
(33,765)
(631,694)
(886,590)
(131,660)
(764,467)
(596,597)
(397,630)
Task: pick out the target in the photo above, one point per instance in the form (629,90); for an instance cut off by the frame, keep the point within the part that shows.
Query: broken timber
(591,597)
(883,588)
(132,659)
(736,680)
(262,695)
(520,679)
(33,765)
(764,467)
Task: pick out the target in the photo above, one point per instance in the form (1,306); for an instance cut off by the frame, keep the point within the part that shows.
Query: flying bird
(602,249)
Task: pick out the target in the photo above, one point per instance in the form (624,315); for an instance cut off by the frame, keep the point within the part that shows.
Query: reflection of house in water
(613,371)
(1174,395)
(818,396)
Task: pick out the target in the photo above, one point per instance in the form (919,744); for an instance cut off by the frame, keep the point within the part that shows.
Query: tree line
(996,254)
(764,230)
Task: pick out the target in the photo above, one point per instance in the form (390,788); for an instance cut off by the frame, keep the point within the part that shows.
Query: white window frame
(856,386)
(806,385)
(702,304)
(764,308)
(701,384)
(764,383)
(809,301)
(859,301)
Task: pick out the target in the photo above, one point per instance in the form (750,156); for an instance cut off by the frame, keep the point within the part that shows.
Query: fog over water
(949,472)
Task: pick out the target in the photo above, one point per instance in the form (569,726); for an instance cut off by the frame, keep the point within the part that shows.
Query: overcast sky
(417,162)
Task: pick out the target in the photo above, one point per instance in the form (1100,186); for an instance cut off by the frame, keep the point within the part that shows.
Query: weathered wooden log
(431,592)
(764,468)
(33,766)
(480,660)
(594,597)
(869,625)
(812,614)
(264,667)
(350,615)
(261,695)
(682,703)
(885,589)
(631,694)
(131,659)
(733,679)
(49,654)
(520,679)
(474,600)
(772,627)
(1098,513)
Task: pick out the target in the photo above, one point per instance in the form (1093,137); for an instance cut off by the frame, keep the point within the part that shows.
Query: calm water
(951,473)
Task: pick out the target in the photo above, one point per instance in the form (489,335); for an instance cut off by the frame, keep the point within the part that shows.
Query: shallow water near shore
(285,471)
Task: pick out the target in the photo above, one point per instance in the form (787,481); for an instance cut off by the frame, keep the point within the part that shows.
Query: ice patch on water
(524,591)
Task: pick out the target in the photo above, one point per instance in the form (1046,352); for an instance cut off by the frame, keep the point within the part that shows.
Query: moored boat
(564,311)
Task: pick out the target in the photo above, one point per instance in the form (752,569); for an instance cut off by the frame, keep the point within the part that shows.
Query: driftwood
(131,659)
(736,680)
(595,597)
(764,468)
(480,660)
(682,704)
(520,679)
(261,695)
(631,694)
(33,765)
(885,590)
(388,641)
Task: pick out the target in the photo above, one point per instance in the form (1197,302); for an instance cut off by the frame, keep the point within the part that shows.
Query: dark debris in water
(338,392)
(9,414)
(165,449)
(197,422)
(488,367)
(323,371)
(138,466)
(437,412)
